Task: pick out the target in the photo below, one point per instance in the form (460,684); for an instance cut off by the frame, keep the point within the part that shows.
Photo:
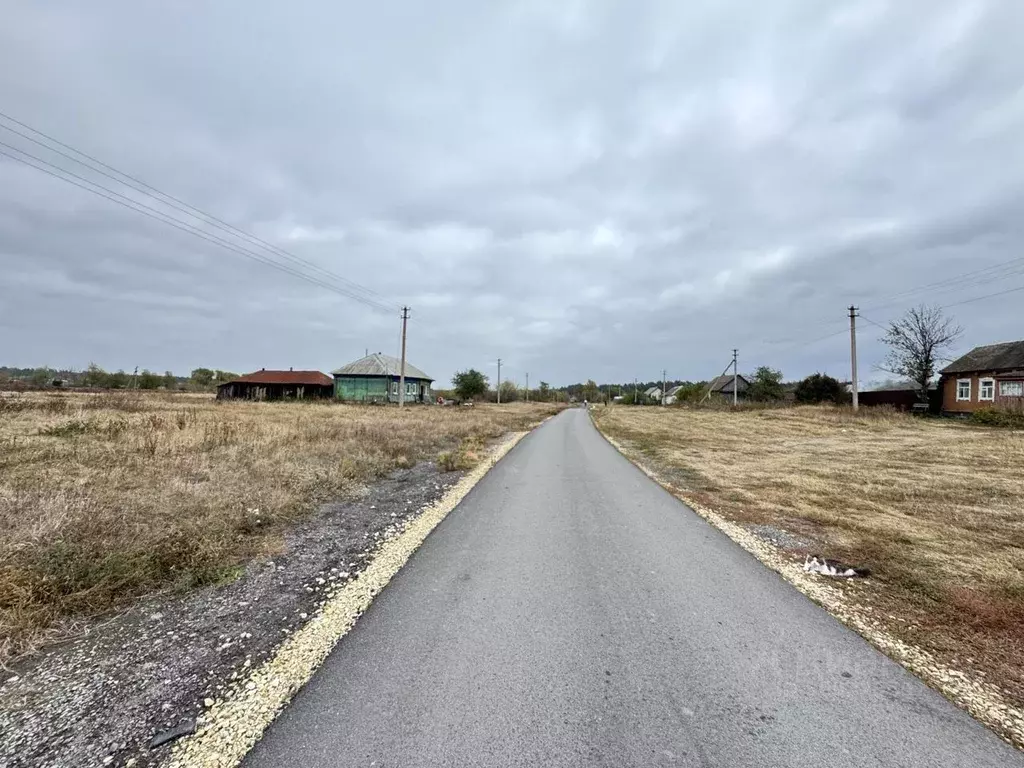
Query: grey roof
(994,357)
(379,364)
(724,384)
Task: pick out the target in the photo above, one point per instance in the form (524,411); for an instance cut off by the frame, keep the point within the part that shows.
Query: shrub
(999,417)
(820,388)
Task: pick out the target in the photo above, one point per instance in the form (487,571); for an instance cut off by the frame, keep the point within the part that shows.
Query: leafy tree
(469,384)
(766,385)
(544,392)
(691,392)
(222,376)
(95,376)
(916,344)
(149,380)
(820,388)
(117,380)
(591,392)
(202,377)
(170,381)
(509,391)
(41,377)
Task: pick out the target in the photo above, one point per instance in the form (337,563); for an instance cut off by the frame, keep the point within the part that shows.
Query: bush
(766,385)
(999,417)
(820,388)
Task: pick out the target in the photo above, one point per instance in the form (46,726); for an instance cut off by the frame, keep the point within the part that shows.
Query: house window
(394,388)
(987,389)
(410,388)
(963,390)
(1011,388)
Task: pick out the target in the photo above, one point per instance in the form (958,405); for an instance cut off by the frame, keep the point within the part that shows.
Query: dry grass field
(105,497)
(934,508)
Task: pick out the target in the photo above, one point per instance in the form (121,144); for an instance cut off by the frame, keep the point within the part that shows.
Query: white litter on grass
(825,568)
(982,699)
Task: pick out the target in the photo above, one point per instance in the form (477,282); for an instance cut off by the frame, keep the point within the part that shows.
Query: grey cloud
(587,190)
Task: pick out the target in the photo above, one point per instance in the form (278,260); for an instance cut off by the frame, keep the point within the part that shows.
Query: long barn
(277,385)
(375,379)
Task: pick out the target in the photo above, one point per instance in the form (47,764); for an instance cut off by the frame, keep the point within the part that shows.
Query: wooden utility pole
(499,381)
(664,383)
(853,355)
(527,386)
(401,374)
(735,379)
(636,393)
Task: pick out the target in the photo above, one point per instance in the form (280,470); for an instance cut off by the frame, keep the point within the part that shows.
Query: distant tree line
(201,379)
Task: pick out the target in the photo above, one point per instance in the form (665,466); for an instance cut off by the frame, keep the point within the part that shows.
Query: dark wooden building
(277,385)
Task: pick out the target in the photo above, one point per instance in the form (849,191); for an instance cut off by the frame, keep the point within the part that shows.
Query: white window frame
(410,387)
(1017,385)
(969,384)
(394,388)
(981,390)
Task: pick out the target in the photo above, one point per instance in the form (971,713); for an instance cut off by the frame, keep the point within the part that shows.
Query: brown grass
(934,508)
(106,497)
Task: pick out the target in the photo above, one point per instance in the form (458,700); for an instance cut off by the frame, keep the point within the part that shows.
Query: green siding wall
(363,389)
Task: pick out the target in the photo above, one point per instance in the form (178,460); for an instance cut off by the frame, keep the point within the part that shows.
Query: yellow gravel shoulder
(234,724)
(982,700)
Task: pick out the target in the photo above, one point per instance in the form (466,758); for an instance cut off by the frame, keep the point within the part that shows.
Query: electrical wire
(182,206)
(158,215)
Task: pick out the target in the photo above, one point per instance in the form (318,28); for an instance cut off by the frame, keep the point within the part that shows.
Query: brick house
(990,376)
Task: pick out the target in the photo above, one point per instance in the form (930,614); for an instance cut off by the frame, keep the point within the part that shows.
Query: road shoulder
(983,701)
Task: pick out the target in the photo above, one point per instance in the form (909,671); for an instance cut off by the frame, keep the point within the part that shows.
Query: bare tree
(916,344)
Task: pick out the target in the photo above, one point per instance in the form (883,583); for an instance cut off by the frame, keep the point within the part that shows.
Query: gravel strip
(983,701)
(110,696)
(235,722)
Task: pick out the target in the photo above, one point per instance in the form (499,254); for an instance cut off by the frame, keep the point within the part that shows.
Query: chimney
(290,368)
(263,369)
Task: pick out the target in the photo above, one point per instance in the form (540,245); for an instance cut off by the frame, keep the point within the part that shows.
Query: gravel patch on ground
(984,701)
(780,538)
(233,725)
(102,699)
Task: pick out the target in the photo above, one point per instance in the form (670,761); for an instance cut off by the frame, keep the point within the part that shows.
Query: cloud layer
(586,190)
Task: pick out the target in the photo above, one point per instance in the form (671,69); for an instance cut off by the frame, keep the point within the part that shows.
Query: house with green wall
(375,379)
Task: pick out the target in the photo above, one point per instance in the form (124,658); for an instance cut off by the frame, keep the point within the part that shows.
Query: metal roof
(994,357)
(379,364)
(303,378)
(724,384)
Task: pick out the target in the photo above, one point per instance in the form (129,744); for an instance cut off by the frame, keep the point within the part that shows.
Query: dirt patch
(100,699)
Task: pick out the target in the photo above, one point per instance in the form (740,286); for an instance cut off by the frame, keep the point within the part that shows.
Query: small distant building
(672,395)
(989,376)
(653,393)
(375,379)
(277,385)
(723,386)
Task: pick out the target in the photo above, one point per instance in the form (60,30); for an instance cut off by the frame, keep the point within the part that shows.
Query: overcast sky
(586,190)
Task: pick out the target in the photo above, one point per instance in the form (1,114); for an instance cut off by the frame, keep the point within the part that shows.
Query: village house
(989,376)
(375,379)
(722,386)
(277,385)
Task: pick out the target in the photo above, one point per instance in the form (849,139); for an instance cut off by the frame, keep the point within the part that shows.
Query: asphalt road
(570,612)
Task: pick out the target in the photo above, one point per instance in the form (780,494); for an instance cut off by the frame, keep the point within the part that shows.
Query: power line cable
(182,206)
(153,213)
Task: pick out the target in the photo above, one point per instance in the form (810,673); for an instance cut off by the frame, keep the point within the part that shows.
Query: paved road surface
(572,613)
